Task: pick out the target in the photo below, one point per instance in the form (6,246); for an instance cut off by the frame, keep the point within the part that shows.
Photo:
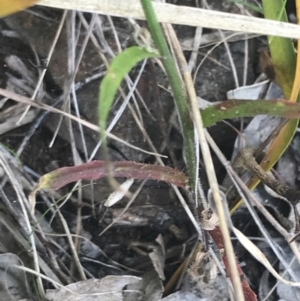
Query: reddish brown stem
(217,237)
(125,169)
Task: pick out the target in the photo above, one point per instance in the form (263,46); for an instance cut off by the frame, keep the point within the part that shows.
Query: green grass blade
(178,90)
(119,67)
(248,108)
(282,49)
(284,61)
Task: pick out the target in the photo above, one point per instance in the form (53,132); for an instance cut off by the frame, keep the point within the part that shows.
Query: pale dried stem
(170,13)
(287,236)
(23,201)
(233,68)
(43,106)
(72,246)
(208,163)
(48,59)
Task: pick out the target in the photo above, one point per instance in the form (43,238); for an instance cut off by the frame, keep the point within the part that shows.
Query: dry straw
(174,14)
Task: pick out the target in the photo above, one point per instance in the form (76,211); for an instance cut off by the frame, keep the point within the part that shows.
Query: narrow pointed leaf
(119,67)
(235,108)
(285,64)
(282,49)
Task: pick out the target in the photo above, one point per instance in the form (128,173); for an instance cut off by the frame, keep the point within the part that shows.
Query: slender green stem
(177,88)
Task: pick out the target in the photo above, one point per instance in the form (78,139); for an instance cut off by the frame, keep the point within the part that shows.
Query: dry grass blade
(243,188)
(207,161)
(50,279)
(23,203)
(41,78)
(169,13)
(72,246)
(258,255)
(43,106)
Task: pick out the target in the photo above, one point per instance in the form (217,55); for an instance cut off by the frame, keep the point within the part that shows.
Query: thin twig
(43,106)
(48,59)
(208,165)
(22,200)
(247,161)
(72,246)
(239,183)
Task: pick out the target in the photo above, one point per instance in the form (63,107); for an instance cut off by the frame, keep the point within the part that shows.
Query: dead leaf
(116,196)
(13,281)
(109,288)
(158,257)
(149,289)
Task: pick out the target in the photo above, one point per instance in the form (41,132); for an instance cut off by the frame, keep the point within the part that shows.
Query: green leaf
(282,49)
(247,108)
(119,67)
(284,61)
